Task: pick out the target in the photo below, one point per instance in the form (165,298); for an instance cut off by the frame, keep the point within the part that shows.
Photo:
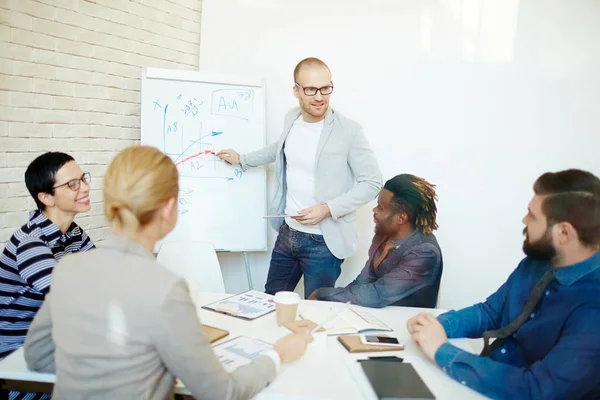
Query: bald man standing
(325,170)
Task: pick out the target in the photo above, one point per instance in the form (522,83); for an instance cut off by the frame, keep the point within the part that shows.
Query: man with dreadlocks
(405,261)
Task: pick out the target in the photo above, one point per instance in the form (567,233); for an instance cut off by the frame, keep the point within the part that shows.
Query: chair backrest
(196,262)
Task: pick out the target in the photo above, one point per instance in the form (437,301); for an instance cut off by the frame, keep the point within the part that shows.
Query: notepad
(248,305)
(351,320)
(353,344)
(395,381)
(213,333)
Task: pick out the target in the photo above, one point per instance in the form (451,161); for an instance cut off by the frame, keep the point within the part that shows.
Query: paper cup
(286,306)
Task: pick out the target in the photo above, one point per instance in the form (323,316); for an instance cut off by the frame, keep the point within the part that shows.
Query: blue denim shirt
(554,355)
(409,275)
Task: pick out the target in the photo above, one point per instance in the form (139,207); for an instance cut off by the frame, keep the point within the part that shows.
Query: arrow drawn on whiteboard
(213,133)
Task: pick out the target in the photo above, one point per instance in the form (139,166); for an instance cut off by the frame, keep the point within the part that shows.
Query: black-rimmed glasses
(75,184)
(312,91)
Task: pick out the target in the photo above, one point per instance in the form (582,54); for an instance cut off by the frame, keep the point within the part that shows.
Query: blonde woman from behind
(117,325)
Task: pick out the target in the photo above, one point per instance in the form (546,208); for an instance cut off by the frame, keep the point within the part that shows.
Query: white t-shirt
(300,155)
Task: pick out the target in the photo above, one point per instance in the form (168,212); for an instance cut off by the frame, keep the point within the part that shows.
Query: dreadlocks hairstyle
(416,197)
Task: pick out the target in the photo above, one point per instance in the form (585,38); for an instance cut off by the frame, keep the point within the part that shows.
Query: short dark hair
(40,174)
(416,197)
(572,196)
(308,62)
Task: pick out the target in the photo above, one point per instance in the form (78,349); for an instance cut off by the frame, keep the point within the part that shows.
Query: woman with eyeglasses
(117,325)
(61,191)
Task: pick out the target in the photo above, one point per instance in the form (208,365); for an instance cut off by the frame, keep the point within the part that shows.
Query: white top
(300,155)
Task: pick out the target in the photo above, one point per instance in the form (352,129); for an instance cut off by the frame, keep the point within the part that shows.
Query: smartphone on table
(380,340)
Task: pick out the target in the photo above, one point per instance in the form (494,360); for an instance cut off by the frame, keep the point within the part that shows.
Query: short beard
(541,249)
(307,110)
(382,225)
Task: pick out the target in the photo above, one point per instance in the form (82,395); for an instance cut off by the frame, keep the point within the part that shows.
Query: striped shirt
(26,266)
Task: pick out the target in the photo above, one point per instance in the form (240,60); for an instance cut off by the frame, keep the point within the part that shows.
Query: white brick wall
(70,80)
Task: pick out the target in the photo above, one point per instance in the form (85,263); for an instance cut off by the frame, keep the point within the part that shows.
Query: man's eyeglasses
(312,91)
(75,184)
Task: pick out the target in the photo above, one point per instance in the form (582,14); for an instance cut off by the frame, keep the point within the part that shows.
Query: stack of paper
(351,320)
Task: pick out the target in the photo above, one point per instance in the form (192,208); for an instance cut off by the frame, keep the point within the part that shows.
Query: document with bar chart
(239,351)
(248,305)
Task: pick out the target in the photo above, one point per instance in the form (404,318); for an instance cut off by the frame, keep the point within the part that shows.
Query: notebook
(395,381)
(351,320)
(353,344)
(213,333)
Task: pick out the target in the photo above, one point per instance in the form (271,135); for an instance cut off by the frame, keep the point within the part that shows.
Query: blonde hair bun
(139,180)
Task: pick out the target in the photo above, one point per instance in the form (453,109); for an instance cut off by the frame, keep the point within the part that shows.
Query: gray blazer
(117,325)
(347,177)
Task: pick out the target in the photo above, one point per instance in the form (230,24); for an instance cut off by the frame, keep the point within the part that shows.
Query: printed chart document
(239,351)
(351,320)
(236,352)
(248,305)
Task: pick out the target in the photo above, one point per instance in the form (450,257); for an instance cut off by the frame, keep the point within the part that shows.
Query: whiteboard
(479,97)
(190,116)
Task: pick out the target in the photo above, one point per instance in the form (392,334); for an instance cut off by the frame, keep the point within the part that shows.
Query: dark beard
(542,249)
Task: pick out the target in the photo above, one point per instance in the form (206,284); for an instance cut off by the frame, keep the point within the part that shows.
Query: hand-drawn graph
(191,116)
(191,144)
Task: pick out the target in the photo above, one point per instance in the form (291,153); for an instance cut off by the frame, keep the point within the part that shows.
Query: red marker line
(195,155)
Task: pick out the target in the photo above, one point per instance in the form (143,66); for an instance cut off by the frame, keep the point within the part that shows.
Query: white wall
(478,96)
(70,81)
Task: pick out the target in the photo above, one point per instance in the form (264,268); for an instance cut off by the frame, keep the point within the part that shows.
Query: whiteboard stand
(248,274)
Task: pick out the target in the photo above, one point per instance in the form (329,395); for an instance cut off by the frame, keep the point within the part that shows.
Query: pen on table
(329,318)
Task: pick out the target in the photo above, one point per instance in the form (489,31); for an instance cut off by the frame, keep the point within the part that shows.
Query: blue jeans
(298,253)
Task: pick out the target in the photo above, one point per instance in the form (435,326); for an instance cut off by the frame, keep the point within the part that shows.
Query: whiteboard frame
(195,76)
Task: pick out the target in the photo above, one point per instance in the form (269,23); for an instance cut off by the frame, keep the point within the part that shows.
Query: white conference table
(327,370)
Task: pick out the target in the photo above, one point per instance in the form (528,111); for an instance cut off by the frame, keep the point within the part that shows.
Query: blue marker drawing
(156,104)
(238,173)
(173,128)
(165,128)
(213,133)
(183,201)
(232,103)
(186,191)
